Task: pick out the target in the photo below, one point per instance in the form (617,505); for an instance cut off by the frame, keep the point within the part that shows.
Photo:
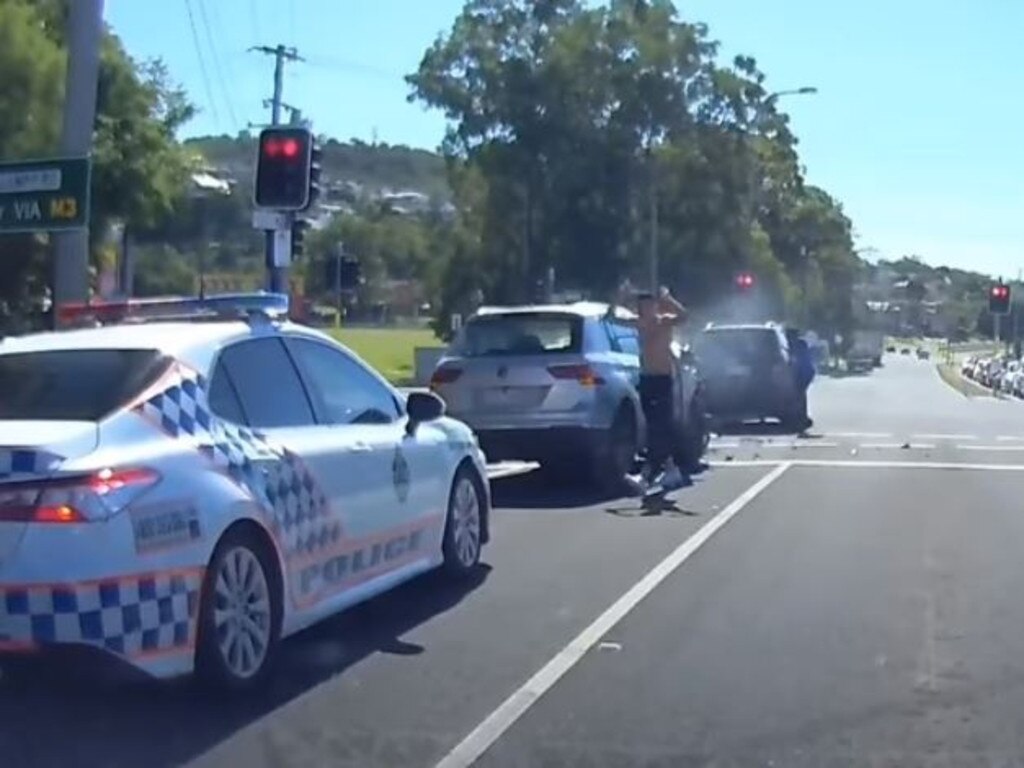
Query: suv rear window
(74,384)
(520,334)
(750,346)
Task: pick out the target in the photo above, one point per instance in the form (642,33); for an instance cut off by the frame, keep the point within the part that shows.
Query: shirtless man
(656,323)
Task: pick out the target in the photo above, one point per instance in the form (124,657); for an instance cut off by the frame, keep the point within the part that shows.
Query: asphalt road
(844,598)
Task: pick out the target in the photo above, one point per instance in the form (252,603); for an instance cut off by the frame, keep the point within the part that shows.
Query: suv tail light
(581,373)
(446,374)
(81,499)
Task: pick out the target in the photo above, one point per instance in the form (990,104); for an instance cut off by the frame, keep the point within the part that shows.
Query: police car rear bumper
(61,588)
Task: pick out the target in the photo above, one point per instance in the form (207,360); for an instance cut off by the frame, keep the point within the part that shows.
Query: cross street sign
(44,195)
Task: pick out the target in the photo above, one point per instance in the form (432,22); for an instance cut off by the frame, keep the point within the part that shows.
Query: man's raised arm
(669,308)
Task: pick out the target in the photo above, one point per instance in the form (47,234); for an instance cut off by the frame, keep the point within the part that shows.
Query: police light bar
(227,305)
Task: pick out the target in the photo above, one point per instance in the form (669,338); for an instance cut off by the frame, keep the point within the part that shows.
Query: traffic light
(744,281)
(999,299)
(343,273)
(284,169)
(351,273)
(315,166)
(299,227)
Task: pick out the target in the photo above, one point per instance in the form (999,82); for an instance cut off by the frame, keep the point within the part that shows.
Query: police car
(189,481)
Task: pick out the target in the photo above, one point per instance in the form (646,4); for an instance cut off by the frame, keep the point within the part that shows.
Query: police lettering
(335,570)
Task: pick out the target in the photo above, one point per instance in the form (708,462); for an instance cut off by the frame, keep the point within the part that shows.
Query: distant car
(748,374)
(967,366)
(558,384)
(922,353)
(890,348)
(905,351)
(180,496)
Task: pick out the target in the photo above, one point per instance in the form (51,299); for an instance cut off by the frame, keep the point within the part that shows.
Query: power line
(218,72)
(350,65)
(202,63)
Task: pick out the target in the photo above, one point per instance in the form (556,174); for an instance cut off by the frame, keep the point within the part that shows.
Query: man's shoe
(637,485)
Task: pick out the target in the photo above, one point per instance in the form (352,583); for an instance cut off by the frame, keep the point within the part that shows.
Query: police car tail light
(446,374)
(582,373)
(92,497)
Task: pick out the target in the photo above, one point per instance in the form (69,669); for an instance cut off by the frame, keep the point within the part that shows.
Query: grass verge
(389,350)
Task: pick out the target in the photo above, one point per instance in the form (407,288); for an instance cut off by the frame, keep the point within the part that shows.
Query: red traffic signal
(284,169)
(999,299)
(744,281)
(287,149)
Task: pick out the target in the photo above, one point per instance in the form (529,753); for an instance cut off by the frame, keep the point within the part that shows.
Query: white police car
(183,492)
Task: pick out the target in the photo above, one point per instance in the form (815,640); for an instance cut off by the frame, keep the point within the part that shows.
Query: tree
(139,169)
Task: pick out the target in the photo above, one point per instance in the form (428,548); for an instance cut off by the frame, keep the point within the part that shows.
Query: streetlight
(769,100)
(807,90)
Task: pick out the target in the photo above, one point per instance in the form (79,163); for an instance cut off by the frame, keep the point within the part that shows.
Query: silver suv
(558,384)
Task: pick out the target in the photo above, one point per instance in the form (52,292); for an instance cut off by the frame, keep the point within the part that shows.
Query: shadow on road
(755,429)
(545,490)
(54,719)
(842,373)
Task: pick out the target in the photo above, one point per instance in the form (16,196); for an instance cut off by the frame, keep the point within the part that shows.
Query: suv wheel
(613,457)
(694,433)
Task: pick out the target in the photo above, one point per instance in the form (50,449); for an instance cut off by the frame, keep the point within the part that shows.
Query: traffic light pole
(71,251)
(277,276)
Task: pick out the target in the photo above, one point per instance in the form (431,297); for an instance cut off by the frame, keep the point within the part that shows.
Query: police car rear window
(74,384)
(520,334)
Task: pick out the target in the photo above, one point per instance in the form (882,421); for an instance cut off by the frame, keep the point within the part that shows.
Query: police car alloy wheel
(462,531)
(240,616)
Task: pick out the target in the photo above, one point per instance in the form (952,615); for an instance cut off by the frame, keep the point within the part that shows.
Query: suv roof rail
(226,306)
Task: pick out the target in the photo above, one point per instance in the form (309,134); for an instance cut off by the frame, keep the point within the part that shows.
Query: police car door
(399,473)
(284,458)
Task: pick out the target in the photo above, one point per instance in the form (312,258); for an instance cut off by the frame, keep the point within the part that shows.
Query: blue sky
(917,127)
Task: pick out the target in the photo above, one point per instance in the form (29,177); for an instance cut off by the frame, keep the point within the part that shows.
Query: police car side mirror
(421,407)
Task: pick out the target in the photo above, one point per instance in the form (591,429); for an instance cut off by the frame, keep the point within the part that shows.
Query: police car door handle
(360,447)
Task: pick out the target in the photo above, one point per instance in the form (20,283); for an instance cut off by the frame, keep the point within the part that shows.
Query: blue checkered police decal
(297,511)
(128,616)
(17,461)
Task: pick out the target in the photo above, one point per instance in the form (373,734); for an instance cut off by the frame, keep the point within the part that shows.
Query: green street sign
(44,195)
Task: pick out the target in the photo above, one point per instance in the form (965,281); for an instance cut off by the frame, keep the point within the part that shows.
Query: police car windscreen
(534,333)
(74,384)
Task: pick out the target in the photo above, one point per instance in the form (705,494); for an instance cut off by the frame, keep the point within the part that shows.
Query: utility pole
(277,275)
(85,26)
(654,223)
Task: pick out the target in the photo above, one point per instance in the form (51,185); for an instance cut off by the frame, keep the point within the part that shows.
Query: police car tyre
(464,524)
(240,614)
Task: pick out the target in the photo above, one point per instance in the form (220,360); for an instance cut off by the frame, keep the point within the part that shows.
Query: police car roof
(173,338)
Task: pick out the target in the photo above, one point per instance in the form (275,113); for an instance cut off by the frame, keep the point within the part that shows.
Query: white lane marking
(510,469)
(744,463)
(467,751)
(915,446)
(867,464)
(860,435)
(946,437)
(1010,439)
(1003,448)
(807,444)
(714,444)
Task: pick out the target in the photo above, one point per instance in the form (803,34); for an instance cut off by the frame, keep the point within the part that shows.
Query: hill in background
(374,167)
